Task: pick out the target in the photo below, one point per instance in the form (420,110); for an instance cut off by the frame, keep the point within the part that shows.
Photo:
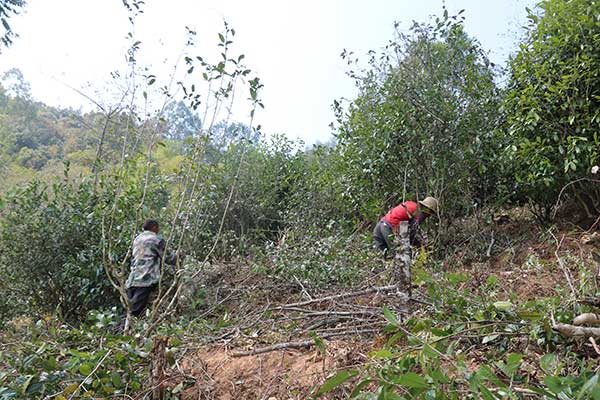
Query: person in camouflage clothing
(147,255)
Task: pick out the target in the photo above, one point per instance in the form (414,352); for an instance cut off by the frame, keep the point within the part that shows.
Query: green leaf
(383,353)
(337,380)
(360,387)
(389,316)
(549,363)
(177,388)
(430,352)
(413,380)
(529,315)
(27,383)
(85,369)
(588,386)
(503,305)
(485,393)
(115,378)
(318,342)
(392,396)
(489,338)
(554,384)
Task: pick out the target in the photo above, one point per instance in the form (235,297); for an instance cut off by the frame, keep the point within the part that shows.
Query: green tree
(552,102)
(423,123)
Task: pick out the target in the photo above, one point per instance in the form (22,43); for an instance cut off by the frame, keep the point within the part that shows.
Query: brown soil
(288,374)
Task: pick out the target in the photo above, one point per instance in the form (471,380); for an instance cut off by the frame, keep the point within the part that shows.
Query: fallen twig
(576,331)
(309,313)
(337,296)
(594,345)
(587,319)
(298,345)
(590,301)
(563,267)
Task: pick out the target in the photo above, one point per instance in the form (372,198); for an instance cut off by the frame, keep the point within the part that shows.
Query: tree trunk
(159,364)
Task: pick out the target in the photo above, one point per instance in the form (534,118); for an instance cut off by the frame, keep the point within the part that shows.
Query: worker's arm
(170,258)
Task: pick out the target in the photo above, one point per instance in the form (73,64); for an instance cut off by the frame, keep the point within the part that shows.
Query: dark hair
(149,224)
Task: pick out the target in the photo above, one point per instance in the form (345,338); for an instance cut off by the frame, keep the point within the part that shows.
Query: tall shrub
(423,123)
(553,100)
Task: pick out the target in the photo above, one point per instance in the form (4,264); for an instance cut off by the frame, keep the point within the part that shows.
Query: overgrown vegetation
(265,220)
(552,106)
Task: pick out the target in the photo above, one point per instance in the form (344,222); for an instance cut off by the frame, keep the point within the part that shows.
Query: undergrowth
(471,342)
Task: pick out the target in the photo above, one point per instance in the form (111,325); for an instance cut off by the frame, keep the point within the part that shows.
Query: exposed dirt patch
(288,374)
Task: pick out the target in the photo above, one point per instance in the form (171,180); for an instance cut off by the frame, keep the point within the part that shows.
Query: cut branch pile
(277,325)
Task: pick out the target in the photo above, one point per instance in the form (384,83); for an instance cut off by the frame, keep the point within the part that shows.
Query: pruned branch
(587,319)
(337,296)
(576,331)
(298,345)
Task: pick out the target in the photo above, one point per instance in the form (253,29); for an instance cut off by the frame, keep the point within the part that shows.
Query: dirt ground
(285,374)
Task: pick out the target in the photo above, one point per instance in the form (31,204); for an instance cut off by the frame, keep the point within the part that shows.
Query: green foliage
(471,346)
(423,123)
(319,258)
(47,359)
(52,249)
(552,104)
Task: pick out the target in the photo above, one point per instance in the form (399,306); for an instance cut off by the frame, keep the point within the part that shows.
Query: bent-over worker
(391,225)
(402,222)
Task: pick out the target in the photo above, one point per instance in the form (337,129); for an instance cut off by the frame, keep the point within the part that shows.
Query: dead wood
(337,296)
(159,365)
(590,301)
(576,331)
(587,319)
(298,345)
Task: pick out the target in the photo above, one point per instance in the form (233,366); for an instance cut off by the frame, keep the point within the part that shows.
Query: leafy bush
(469,345)
(53,250)
(318,260)
(46,359)
(423,124)
(553,104)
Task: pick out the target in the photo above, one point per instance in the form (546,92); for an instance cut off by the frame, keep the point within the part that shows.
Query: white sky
(294,46)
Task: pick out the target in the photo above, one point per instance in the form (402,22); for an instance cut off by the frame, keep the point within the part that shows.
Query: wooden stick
(562,265)
(309,313)
(591,301)
(337,296)
(587,319)
(576,331)
(594,345)
(298,345)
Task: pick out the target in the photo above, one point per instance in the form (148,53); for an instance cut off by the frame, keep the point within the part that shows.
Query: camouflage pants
(139,297)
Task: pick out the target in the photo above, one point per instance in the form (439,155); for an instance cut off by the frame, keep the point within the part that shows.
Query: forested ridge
(280,293)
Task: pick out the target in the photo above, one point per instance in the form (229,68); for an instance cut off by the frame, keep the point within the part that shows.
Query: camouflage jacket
(147,253)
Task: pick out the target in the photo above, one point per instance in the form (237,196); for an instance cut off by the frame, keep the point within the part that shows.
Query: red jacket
(398,213)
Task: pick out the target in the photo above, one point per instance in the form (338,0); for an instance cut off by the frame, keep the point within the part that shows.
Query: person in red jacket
(402,221)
